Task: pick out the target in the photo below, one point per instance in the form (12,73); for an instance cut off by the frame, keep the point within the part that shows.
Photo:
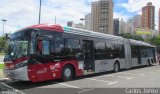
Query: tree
(155,41)
(3,43)
(130,36)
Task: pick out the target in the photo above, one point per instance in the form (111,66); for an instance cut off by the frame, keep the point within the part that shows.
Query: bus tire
(67,73)
(116,67)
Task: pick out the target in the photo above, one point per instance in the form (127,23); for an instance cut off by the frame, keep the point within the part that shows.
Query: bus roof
(67,29)
(52,27)
(140,43)
(91,33)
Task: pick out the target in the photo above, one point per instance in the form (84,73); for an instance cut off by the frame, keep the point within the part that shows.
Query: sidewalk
(1,75)
(1,67)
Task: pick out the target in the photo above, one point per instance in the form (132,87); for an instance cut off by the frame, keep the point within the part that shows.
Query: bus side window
(73,48)
(45,47)
(39,47)
(59,47)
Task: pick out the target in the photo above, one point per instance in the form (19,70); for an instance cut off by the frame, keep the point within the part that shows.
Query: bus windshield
(18,45)
(16,49)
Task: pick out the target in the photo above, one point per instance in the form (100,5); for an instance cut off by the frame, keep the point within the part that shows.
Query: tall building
(75,25)
(95,16)
(102,16)
(70,23)
(116,26)
(136,21)
(123,26)
(159,21)
(126,26)
(79,25)
(148,16)
(88,22)
(129,26)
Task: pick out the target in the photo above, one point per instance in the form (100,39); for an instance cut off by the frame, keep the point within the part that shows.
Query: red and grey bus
(47,52)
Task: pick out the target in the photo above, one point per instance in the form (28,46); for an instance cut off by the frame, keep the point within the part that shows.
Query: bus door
(88,56)
(128,57)
(42,68)
(139,55)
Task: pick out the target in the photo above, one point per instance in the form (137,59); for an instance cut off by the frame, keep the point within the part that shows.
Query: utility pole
(55,20)
(39,21)
(3,20)
(83,22)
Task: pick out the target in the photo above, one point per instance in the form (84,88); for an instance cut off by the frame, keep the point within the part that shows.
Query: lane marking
(134,74)
(71,86)
(86,90)
(128,78)
(16,90)
(113,83)
(98,80)
(142,71)
(109,83)
(124,77)
(147,70)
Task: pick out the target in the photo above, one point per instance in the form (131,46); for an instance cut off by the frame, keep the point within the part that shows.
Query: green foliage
(3,44)
(130,36)
(154,41)
(1,66)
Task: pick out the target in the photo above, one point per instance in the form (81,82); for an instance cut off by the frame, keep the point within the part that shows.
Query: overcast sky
(22,13)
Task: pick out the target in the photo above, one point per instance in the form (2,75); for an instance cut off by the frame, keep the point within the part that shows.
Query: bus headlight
(21,64)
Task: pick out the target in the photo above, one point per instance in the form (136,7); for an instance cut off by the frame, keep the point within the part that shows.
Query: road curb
(6,89)
(4,79)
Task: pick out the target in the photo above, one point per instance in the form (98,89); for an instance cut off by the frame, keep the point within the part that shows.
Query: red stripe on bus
(44,71)
(52,27)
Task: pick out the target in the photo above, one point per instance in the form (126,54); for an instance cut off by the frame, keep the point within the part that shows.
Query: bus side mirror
(8,36)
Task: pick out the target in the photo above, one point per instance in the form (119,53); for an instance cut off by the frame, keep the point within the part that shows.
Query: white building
(70,23)
(79,25)
(137,21)
(102,16)
(122,26)
(88,22)
(129,26)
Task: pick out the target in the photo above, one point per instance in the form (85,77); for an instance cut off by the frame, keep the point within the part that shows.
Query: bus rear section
(141,53)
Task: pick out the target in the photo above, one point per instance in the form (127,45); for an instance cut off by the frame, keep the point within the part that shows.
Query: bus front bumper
(17,74)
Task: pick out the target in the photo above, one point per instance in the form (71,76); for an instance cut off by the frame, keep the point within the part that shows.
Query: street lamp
(82,19)
(39,21)
(3,20)
(83,23)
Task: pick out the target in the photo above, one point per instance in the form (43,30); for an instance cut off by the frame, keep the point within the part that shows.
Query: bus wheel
(116,67)
(67,73)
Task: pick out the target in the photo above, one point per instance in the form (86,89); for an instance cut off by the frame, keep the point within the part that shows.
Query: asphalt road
(133,81)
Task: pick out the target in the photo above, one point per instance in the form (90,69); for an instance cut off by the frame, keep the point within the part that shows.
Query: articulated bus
(47,52)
